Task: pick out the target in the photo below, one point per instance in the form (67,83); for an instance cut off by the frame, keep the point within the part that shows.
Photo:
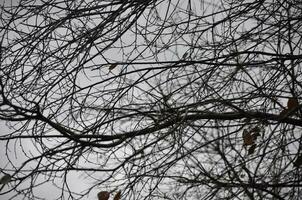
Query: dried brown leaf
(5,179)
(248,138)
(252,149)
(292,103)
(112,66)
(117,196)
(104,195)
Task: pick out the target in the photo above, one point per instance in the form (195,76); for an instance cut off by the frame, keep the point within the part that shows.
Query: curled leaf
(248,138)
(104,195)
(117,196)
(5,179)
(112,66)
(292,103)
(252,149)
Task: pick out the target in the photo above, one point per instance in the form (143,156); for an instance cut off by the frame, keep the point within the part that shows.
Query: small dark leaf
(104,195)
(252,149)
(111,67)
(248,139)
(5,179)
(292,103)
(117,196)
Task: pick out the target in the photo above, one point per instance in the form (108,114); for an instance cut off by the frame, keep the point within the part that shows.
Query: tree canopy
(157,99)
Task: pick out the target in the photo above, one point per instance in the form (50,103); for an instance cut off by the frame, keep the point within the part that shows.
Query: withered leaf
(248,138)
(117,196)
(104,195)
(292,103)
(112,66)
(252,149)
(5,179)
